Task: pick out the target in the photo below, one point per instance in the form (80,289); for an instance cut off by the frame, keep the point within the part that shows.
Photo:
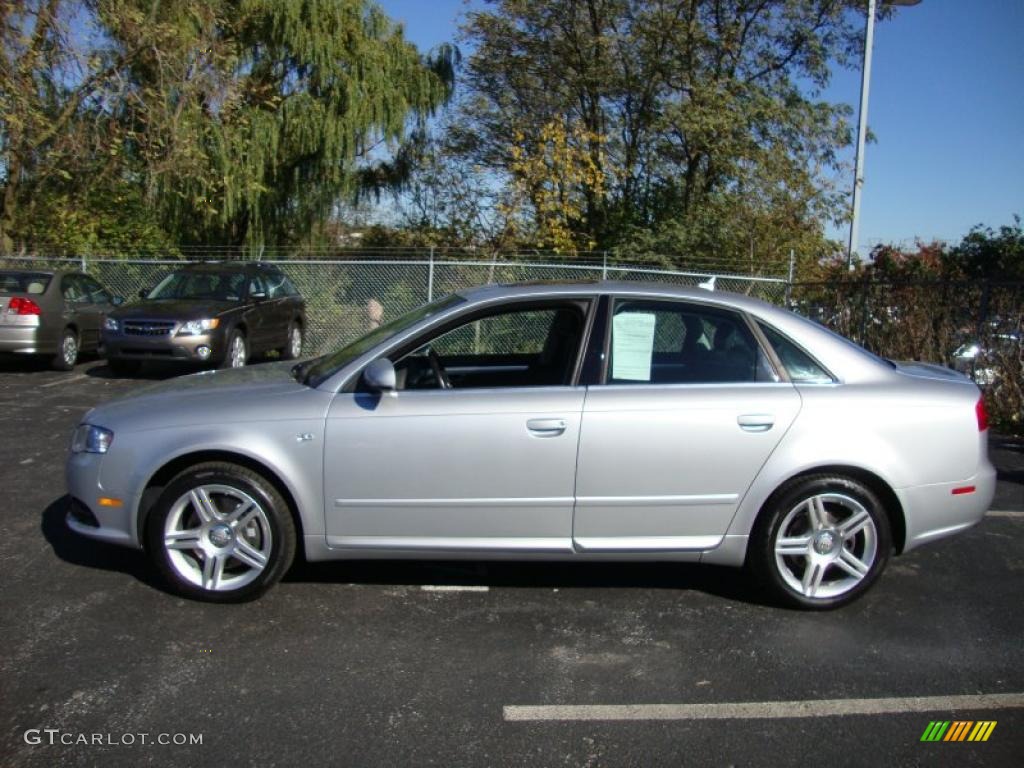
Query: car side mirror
(117,301)
(143,293)
(379,375)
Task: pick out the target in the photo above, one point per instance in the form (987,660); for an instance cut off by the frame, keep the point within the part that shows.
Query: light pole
(862,122)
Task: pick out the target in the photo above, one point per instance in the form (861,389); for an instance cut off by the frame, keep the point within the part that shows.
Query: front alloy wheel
(237,352)
(221,533)
(826,541)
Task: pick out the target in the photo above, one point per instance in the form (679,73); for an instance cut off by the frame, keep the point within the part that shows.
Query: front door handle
(756,422)
(546,427)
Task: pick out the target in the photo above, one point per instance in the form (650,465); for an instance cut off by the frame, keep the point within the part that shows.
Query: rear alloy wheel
(293,349)
(823,543)
(67,352)
(221,533)
(237,354)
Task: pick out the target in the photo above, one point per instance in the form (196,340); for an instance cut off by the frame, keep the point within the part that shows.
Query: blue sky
(947,108)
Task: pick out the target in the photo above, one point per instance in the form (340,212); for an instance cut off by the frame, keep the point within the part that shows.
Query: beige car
(55,314)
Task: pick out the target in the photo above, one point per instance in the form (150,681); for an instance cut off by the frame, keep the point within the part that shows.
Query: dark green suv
(215,313)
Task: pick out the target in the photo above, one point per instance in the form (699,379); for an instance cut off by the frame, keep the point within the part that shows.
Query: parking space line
(65,380)
(453,588)
(762,710)
(1004,513)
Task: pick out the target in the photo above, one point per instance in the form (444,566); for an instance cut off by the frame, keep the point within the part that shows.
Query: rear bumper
(26,340)
(174,348)
(934,511)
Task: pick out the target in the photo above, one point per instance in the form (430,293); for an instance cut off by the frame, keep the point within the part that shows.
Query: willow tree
(278,109)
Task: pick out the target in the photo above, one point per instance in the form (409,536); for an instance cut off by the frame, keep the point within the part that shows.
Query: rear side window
(802,369)
(279,286)
(24,282)
(665,342)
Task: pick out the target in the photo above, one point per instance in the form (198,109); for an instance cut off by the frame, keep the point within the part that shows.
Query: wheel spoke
(203,505)
(248,554)
(852,564)
(213,570)
(813,575)
(816,513)
(792,545)
(182,539)
(854,524)
(243,514)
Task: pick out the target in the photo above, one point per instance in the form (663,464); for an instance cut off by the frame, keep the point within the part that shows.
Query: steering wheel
(435,364)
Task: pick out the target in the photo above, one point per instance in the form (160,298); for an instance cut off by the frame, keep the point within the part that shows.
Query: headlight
(196,327)
(110,324)
(90,439)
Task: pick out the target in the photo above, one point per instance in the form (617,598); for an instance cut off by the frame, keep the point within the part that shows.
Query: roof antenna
(708,285)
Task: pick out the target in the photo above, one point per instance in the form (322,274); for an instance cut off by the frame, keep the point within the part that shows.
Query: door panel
(665,467)
(451,469)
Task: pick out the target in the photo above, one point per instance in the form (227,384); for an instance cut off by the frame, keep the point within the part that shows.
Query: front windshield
(324,367)
(222,286)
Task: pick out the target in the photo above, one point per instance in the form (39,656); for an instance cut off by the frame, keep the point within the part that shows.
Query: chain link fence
(976,327)
(341,293)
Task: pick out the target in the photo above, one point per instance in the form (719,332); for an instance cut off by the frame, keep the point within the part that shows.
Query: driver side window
(536,346)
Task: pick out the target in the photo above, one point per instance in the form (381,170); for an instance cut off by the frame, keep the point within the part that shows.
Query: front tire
(67,351)
(821,542)
(220,533)
(237,353)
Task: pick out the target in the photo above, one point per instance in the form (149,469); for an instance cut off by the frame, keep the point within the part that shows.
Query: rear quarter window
(800,366)
(26,282)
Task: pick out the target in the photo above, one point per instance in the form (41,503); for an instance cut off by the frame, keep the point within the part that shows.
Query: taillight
(20,306)
(982,414)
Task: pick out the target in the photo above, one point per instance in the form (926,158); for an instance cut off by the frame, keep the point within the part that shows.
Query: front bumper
(85,483)
(169,347)
(934,511)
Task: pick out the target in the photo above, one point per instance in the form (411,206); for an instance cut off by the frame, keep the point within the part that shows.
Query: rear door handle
(756,422)
(546,427)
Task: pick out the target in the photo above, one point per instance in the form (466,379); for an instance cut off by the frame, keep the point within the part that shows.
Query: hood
(265,392)
(929,371)
(173,309)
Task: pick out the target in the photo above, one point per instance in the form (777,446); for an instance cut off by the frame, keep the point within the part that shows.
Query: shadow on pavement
(155,371)
(730,583)
(78,550)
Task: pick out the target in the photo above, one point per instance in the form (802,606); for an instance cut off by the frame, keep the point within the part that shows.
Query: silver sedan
(602,421)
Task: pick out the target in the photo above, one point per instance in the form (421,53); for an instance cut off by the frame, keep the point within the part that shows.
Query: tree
(699,114)
(992,255)
(303,95)
(240,121)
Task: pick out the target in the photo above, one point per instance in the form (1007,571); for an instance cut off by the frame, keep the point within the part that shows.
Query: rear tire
(821,542)
(67,351)
(220,533)
(293,346)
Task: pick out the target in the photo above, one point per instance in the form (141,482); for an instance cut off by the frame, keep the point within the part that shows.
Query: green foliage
(696,113)
(992,255)
(234,121)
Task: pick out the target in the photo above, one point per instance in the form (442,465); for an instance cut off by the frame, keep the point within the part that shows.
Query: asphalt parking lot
(440,664)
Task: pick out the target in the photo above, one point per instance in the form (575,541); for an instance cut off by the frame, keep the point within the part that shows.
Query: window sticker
(632,346)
